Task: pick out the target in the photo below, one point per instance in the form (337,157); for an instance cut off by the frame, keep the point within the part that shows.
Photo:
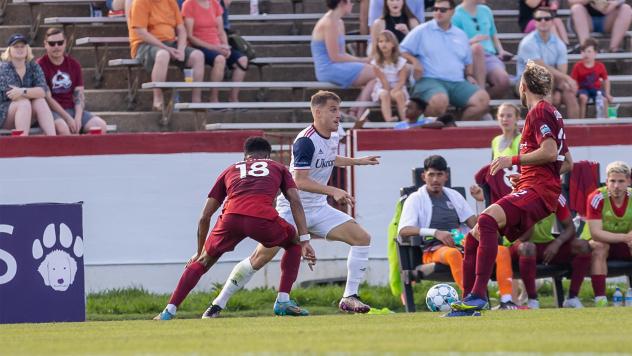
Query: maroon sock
(469,263)
(189,279)
(527,273)
(581,266)
(486,254)
(599,285)
(290,263)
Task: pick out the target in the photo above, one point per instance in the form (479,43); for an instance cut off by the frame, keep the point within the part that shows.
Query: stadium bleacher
(281,39)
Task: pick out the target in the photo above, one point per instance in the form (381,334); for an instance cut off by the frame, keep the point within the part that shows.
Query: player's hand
(550,252)
(192,259)
(179,55)
(401,27)
(445,237)
(71,125)
(368,160)
(477,193)
(500,163)
(513,179)
(342,197)
(308,253)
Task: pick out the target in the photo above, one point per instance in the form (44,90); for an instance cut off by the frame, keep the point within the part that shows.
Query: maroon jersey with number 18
(251,186)
(543,121)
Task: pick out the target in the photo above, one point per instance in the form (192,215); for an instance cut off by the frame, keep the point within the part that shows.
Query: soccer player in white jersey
(314,155)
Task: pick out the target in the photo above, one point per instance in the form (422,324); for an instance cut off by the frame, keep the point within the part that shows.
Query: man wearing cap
(22,89)
(65,83)
(158,37)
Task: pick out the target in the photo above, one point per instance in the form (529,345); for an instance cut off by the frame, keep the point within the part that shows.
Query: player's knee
(581,247)
(361,239)
(526,249)
(599,249)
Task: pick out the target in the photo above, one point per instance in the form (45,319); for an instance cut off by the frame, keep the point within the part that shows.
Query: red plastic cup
(17,132)
(95,131)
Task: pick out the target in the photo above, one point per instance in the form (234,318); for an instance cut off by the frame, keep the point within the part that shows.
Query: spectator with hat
(22,89)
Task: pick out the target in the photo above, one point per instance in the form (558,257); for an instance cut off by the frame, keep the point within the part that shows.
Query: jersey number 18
(257,169)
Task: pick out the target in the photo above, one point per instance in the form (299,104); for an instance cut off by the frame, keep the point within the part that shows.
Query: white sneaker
(533,304)
(572,303)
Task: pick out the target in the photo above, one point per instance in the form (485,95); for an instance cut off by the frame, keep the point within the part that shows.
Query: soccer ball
(440,296)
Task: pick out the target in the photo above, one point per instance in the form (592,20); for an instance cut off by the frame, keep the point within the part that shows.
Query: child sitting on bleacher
(591,77)
(392,73)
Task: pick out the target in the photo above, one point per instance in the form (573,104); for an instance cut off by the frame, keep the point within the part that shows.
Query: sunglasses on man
(442,10)
(56,43)
(545,18)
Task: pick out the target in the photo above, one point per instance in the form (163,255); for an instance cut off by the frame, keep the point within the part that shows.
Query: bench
(37,16)
(38,131)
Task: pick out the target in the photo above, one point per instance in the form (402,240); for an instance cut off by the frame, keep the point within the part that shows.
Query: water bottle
(628,298)
(254,7)
(617,298)
(599,105)
(457,236)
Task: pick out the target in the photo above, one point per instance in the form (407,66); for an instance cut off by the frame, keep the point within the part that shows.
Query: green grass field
(587,330)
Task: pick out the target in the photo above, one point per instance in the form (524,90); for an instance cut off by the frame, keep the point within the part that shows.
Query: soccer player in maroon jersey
(249,188)
(543,152)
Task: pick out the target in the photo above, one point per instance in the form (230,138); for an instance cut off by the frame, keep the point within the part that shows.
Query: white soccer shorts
(320,220)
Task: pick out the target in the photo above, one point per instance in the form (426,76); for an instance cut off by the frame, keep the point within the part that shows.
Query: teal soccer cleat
(164,315)
(289,309)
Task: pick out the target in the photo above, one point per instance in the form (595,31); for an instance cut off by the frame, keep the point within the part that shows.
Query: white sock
(172,309)
(357,263)
(238,278)
(283,297)
(505,298)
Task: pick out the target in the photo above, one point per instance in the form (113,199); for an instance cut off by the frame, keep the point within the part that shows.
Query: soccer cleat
(469,303)
(508,306)
(459,313)
(533,304)
(164,315)
(212,312)
(601,302)
(572,303)
(353,304)
(289,309)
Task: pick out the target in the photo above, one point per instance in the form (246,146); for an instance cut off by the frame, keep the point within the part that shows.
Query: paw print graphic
(59,266)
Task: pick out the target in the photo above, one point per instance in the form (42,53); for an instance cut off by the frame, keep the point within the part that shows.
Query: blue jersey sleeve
(303,151)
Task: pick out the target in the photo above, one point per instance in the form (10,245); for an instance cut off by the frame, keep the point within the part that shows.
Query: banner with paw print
(41,263)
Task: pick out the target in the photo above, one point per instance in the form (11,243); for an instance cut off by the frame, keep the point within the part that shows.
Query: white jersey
(318,154)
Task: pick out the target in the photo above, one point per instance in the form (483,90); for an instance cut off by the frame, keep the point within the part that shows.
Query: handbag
(241,45)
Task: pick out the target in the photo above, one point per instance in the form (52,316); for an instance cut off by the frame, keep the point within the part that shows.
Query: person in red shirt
(543,153)
(591,76)
(248,190)
(65,83)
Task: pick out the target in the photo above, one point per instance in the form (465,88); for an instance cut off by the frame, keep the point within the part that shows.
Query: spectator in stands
(205,30)
(508,143)
(442,63)
(397,18)
(118,7)
(157,38)
(477,21)
(591,76)
(433,212)
(545,48)
(527,23)
(392,75)
(611,16)
(609,218)
(22,89)
(331,62)
(416,7)
(65,94)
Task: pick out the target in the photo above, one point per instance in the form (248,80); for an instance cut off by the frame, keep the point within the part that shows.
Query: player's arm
(210,208)
(471,221)
(298,213)
(568,232)
(546,153)
(600,235)
(567,165)
(342,161)
(304,182)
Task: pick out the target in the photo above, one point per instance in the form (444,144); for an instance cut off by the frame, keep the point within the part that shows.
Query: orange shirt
(159,17)
(204,20)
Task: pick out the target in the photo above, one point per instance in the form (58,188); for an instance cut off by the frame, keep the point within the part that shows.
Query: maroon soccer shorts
(564,254)
(523,209)
(230,229)
(619,251)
